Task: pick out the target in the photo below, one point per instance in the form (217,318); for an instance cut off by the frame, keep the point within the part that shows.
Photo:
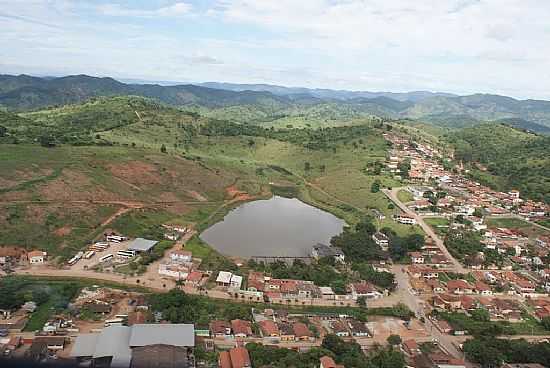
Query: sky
(458,46)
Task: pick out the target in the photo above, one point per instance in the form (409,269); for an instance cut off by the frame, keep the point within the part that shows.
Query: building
(339,328)
(224,278)
(417,258)
(220,328)
(181,256)
(322,251)
(302,332)
(37,257)
(235,358)
(459,287)
(227,279)
(269,328)
(381,240)
(364,289)
(358,329)
(241,328)
(141,245)
(405,219)
(138,346)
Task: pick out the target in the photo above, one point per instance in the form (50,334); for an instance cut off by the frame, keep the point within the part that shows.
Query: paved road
(416,304)
(392,195)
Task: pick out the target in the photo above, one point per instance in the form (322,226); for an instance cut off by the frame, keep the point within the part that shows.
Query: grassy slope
(39,186)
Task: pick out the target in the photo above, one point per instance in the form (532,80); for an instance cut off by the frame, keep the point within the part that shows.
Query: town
(480,264)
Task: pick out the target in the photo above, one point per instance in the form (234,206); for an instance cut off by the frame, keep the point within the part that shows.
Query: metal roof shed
(163,334)
(142,245)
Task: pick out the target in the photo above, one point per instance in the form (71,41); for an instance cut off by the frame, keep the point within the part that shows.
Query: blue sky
(460,46)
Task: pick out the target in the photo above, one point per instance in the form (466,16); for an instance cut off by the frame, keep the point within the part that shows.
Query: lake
(274,227)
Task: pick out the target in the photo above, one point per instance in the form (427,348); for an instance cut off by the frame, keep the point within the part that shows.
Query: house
(256,281)
(424,272)
(459,287)
(302,332)
(37,257)
(327,293)
(328,362)
(241,328)
(410,347)
(220,328)
(322,251)
(381,240)
(224,278)
(181,256)
(12,254)
(52,343)
(482,288)
(405,219)
(339,328)
(364,289)
(269,328)
(416,258)
(236,282)
(286,332)
(447,302)
(358,329)
(235,358)
(442,360)
(194,279)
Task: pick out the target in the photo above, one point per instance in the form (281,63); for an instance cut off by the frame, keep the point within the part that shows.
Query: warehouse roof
(142,245)
(166,334)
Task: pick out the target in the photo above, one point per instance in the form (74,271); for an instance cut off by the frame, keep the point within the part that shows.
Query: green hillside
(314,108)
(513,158)
(151,163)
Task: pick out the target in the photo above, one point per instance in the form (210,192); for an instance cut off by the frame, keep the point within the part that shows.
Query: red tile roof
(239,357)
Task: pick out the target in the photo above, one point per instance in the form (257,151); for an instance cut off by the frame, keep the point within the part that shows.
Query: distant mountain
(20,93)
(323,93)
(257,103)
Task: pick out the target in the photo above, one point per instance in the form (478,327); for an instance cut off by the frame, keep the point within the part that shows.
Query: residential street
(392,195)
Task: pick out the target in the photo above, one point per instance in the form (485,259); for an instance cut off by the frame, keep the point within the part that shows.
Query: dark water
(274,227)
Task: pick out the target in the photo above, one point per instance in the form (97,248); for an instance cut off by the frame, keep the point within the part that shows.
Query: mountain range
(262,102)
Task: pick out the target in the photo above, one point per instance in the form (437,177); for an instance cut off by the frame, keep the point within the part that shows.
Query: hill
(130,164)
(514,159)
(276,105)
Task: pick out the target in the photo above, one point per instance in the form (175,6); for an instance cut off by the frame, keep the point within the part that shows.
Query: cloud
(175,10)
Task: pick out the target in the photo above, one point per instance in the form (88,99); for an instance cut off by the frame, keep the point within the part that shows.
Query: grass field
(440,225)
(405,196)
(516,223)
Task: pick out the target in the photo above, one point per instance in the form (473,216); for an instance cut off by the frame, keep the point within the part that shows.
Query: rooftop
(142,245)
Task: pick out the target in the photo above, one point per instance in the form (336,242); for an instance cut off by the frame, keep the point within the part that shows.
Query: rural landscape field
(274,184)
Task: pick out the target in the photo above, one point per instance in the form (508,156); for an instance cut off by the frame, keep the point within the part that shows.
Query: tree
(481,314)
(47,140)
(307,166)
(163,148)
(394,340)
(546,323)
(362,301)
(375,187)
(3,131)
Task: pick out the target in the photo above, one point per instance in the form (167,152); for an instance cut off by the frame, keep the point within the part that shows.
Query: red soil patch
(136,172)
(63,231)
(237,195)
